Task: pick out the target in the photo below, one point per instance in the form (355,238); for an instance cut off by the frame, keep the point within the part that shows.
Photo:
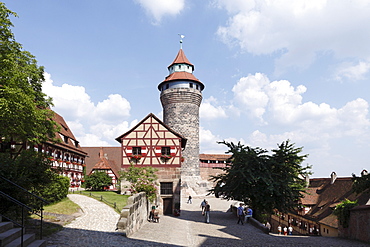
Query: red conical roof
(181,58)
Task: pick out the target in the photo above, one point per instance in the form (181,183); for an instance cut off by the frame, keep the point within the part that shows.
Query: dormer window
(66,139)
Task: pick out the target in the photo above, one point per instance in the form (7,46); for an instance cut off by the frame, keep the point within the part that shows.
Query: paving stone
(96,228)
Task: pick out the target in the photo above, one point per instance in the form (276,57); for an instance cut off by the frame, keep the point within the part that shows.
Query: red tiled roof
(180,58)
(323,196)
(93,160)
(66,131)
(181,76)
(220,157)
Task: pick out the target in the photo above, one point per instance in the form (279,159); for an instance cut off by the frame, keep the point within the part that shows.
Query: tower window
(167,86)
(197,86)
(136,150)
(180,66)
(191,85)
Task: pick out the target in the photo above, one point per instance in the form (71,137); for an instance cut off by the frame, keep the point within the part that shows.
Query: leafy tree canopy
(24,113)
(261,180)
(361,184)
(142,179)
(32,171)
(98,181)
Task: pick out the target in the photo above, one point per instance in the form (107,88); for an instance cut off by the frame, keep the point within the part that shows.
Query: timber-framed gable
(151,143)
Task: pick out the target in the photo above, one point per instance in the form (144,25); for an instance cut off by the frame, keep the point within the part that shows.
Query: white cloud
(352,72)
(249,93)
(209,142)
(115,105)
(159,8)
(208,111)
(278,103)
(298,30)
(92,125)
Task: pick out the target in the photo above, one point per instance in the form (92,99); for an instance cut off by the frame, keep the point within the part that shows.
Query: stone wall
(359,224)
(207,171)
(181,113)
(134,215)
(252,221)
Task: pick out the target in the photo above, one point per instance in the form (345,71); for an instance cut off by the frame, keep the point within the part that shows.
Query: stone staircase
(10,236)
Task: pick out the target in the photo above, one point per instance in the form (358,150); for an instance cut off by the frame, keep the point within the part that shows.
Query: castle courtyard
(96,227)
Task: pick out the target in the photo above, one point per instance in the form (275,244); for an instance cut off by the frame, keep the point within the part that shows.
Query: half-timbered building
(103,160)
(152,143)
(66,155)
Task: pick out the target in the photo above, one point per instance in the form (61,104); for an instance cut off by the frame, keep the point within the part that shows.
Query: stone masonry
(181,113)
(133,215)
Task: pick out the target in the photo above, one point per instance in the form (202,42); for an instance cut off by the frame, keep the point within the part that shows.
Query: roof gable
(151,118)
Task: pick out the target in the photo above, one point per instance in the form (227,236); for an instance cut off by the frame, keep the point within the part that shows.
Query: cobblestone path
(96,227)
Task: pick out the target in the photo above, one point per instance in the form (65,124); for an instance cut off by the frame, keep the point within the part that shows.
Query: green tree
(98,181)
(342,211)
(264,182)
(142,179)
(30,170)
(288,175)
(24,109)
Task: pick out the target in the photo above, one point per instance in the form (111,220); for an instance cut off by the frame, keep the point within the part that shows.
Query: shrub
(98,181)
(56,190)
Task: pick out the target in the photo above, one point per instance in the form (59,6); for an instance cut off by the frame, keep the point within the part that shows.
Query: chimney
(307,178)
(333,177)
(364,173)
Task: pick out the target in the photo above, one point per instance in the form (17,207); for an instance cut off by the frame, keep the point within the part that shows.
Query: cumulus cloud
(209,142)
(298,30)
(248,92)
(92,125)
(209,109)
(280,103)
(160,8)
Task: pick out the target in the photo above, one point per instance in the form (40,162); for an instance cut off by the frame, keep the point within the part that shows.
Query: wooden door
(167,206)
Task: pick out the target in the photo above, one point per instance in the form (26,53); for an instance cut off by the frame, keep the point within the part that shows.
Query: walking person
(279,229)
(202,205)
(240,213)
(189,200)
(207,209)
(290,230)
(285,230)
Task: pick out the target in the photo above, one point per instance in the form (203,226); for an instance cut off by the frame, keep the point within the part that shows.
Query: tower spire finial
(181,37)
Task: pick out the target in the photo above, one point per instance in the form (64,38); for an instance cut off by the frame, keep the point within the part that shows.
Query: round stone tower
(181,95)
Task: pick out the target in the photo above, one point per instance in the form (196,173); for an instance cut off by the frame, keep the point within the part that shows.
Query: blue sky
(272,70)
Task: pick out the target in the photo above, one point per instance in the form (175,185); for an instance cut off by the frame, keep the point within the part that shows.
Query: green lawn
(65,206)
(110,198)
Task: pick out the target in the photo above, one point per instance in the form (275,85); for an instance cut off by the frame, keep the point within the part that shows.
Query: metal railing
(36,210)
